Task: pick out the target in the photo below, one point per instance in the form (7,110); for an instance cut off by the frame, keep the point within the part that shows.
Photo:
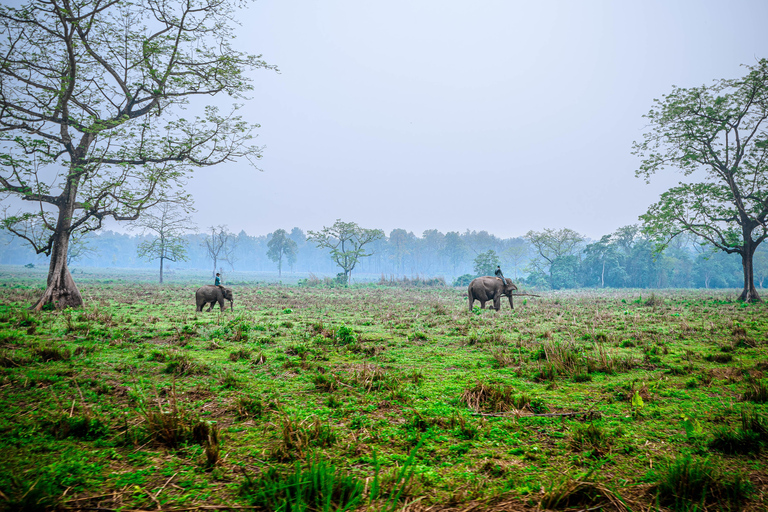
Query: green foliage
(78,427)
(318,487)
(717,131)
(486,262)
(279,246)
(346,242)
(590,437)
(757,392)
(688,484)
(345,335)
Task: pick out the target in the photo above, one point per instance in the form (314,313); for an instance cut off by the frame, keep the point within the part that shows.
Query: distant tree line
(550,259)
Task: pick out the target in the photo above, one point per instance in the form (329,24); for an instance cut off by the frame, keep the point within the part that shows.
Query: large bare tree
(91,93)
(167,223)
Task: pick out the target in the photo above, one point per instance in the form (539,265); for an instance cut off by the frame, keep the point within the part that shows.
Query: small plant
(229,381)
(654,301)
(297,437)
(28,493)
(172,425)
(756,392)
(503,357)
(344,335)
(86,428)
(375,378)
(581,492)
(248,407)
(182,364)
(687,484)
(497,398)
(418,336)
(207,434)
(238,355)
(50,352)
(590,437)
(327,382)
(718,358)
(749,438)
(318,487)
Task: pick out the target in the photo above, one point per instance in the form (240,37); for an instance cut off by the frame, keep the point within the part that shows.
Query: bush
(317,487)
(687,484)
(463,280)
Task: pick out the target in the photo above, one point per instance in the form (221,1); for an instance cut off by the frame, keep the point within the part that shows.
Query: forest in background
(622,259)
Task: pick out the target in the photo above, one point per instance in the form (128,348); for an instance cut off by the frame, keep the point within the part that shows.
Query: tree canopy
(90,124)
(346,242)
(716,137)
(281,245)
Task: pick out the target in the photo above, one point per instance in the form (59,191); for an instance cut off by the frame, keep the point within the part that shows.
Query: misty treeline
(550,259)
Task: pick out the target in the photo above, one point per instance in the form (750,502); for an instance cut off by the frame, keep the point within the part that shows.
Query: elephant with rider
(211,294)
(489,288)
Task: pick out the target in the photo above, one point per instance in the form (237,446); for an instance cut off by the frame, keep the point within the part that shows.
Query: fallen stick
(524,295)
(517,413)
(550,414)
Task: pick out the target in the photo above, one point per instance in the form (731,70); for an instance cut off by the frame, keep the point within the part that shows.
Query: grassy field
(382,398)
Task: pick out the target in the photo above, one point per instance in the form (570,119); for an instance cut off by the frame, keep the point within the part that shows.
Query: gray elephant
(212,294)
(490,288)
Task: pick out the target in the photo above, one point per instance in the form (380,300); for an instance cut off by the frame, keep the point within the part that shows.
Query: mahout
(488,288)
(211,294)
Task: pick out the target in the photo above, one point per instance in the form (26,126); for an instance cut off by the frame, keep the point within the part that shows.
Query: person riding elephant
(211,294)
(489,288)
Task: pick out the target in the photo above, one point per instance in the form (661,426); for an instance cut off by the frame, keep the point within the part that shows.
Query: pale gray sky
(502,116)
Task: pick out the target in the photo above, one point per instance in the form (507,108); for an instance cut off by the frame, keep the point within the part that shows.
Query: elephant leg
(210,308)
(471,302)
(497,303)
(482,304)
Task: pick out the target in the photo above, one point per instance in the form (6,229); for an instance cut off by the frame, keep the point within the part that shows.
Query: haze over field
(402,114)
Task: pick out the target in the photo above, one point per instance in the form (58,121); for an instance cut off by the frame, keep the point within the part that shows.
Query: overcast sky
(503,116)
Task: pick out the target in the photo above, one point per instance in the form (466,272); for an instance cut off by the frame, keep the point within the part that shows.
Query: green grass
(305,397)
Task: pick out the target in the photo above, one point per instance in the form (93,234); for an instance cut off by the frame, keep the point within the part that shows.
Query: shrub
(239,355)
(317,487)
(23,492)
(80,428)
(756,392)
(497,398)
(590,437)
(173,425)
(50,352)
(735,441)
(182,364)
(688,484)
(345,335)
(718,358)
(248,407)
(463,280)
(296,437)
(579,492)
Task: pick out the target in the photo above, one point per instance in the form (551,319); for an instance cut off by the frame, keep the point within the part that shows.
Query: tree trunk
(161,270)
(61,290)
(750,293)
(602,276)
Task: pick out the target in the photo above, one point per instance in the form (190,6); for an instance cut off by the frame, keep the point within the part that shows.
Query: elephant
(212,294)
(490,288)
